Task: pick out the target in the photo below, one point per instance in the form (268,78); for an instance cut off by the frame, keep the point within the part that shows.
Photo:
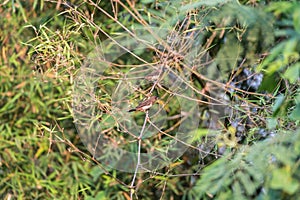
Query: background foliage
(44,43)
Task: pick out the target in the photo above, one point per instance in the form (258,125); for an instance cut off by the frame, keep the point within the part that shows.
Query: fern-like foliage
(267,170)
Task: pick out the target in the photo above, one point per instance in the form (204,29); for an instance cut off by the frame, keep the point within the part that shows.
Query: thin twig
(138,155)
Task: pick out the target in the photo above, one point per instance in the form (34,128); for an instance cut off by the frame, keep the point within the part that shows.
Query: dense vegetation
(225,126)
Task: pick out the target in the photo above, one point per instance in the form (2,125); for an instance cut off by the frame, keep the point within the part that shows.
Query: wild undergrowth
(225,125)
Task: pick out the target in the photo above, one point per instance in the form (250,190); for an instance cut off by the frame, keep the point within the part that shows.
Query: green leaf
(296,19)
(295,115)
(96,172)
(271,123)
(278,104)
(275,52)
(246,182)
(293,73)
(280,7)
(199,133)
(147,1)
(101,195)
(282,179)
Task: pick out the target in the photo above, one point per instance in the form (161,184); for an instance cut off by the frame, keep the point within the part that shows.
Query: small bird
(145,105)
(153,76)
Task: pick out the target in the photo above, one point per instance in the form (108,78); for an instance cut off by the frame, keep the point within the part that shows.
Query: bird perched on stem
(145,105)
(153,76)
